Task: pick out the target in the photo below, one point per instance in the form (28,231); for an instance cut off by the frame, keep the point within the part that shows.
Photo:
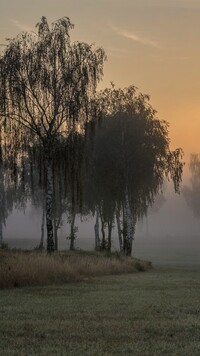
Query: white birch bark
(49,203)
(129,224)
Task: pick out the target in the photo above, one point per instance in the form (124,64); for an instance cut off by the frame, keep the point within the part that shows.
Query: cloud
(21,26)
(136,38)
(140,39)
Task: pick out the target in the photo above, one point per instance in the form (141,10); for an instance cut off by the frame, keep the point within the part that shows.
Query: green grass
(152,313)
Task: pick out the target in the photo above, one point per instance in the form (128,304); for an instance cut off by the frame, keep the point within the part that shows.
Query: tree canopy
(131,158)
(47,83)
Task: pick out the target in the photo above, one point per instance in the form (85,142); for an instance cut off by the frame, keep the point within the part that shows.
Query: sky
(152,44)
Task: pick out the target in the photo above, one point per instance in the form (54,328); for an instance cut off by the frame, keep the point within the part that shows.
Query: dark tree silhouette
(47,88)
(132,158)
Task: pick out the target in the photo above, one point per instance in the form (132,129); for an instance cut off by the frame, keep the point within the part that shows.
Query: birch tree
(137,153)
(47,88)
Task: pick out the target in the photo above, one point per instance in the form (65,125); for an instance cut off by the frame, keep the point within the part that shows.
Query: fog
(169,234)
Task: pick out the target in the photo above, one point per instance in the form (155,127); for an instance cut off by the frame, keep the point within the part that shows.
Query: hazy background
(169,235)
(154,45)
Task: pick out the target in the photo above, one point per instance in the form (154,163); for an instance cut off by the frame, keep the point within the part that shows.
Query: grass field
(151,313)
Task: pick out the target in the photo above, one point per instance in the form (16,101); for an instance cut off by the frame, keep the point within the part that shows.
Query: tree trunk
(72,232)
(49,203)
(124,231)
(103,240)
(119,229)
(110,226)
(55,233)
(56,226)
(96,230)
(129,226)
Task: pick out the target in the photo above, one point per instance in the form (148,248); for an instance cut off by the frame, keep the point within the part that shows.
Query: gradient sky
(153,44)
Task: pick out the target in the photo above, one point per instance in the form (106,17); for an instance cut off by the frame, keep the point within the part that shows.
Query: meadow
(156,312)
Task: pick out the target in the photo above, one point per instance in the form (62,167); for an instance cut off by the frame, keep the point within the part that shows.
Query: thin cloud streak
(136,38)
(140,39)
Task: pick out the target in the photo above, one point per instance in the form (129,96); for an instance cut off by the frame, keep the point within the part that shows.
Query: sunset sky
(153,44)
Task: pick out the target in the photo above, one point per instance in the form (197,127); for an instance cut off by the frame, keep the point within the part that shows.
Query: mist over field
(169,234)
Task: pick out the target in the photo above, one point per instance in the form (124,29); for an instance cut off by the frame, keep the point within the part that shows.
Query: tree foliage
(47,83)
(47,88)
(132,158)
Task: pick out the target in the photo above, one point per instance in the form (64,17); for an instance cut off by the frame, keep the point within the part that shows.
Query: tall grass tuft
(20,268)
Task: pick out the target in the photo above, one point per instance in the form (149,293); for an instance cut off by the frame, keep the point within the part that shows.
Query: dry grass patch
(19,268)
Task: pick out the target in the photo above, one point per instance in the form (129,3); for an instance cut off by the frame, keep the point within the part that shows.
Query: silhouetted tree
(132,146)
(47,87)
